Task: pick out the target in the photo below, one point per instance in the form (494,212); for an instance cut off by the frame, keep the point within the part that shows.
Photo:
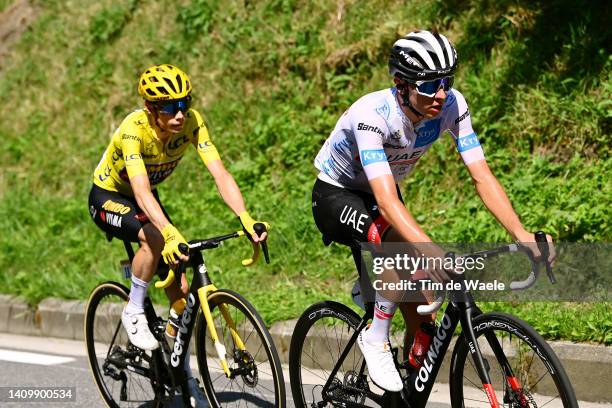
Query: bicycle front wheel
(320,337)
(121,371)
(524,371)
(256,376)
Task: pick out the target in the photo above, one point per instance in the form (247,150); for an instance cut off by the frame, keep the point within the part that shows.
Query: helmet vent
(150,92)
(179,81)
(170,84)
(163,90)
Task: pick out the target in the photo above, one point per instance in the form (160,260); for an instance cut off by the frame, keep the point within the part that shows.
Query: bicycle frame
(167,362)
(418,385)
(201,287)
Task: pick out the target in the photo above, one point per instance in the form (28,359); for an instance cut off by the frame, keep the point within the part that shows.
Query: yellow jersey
(136,149)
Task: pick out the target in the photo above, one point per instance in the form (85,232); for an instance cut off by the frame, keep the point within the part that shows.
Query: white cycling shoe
(380,364)
(138,330)
(197,397)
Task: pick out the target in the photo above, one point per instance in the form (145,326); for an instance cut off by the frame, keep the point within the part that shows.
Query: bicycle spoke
(313,373)
(475,400)
(537,382)
(551,400)
(320,366)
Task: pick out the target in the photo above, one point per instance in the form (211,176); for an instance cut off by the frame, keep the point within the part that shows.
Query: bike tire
(320,336)
(539,372)
(106,340)
(259,380)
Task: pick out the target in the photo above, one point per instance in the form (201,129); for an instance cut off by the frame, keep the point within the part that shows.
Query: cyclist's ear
(401,85)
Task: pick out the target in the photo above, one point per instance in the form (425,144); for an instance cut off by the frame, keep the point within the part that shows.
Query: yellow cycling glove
(172,238)
(248,222)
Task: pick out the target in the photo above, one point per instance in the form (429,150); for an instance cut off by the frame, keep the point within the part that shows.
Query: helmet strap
(153,109)
(403,91)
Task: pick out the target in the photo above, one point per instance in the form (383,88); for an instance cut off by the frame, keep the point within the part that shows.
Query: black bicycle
(237,359)
(509,364)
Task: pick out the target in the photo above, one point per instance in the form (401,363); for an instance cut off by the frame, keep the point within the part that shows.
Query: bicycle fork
(203,294)
(476,354)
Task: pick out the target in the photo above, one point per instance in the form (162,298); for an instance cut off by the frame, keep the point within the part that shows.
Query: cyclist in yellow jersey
(144,151)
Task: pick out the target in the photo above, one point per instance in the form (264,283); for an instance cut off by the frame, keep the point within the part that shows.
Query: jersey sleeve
(460,127)
(205,147)
(369,135)
(131,148)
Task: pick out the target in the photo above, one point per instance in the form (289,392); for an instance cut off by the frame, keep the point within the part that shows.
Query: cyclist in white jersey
(374,145)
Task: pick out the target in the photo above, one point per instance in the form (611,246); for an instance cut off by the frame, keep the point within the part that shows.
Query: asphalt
(587,365)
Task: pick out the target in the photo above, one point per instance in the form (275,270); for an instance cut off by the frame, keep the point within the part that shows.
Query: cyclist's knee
(151,239)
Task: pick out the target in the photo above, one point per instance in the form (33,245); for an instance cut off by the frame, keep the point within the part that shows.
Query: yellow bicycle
(237,359)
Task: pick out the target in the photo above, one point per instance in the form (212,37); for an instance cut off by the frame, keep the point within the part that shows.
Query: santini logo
(369,128)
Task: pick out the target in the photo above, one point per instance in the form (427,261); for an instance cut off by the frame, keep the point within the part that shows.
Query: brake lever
(260,228)
(542,242)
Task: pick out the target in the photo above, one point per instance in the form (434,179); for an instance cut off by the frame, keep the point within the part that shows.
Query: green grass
(272,77)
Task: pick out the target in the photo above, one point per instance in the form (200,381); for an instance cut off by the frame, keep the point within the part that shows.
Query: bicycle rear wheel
(256,373)
(110,353)
(538,377)
(321,335)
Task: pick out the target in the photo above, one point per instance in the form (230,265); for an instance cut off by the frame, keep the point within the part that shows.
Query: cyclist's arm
(131,146)
(370,143)
(495,199)
(489,189)
(229,191)
(394,211)
(147,202)
(226,185)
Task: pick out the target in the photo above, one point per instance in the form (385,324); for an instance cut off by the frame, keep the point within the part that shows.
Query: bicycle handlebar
(432,307)
(209,243)
(542,243)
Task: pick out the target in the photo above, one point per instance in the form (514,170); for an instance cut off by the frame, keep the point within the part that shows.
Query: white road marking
(32,358)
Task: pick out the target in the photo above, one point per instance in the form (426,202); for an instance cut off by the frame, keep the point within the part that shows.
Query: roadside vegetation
(271,78)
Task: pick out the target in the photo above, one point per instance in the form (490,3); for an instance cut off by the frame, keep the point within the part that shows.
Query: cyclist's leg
(412,319)
(349,218)
(120,216)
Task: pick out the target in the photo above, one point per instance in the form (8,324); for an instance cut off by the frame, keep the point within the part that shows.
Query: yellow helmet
(163,82)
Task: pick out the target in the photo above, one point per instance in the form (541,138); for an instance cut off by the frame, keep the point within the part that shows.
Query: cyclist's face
(172,123)
(429,106)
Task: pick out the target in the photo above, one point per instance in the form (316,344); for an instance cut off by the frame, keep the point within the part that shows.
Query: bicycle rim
(109,351)
(320,337)
(538,378)
(257,378)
